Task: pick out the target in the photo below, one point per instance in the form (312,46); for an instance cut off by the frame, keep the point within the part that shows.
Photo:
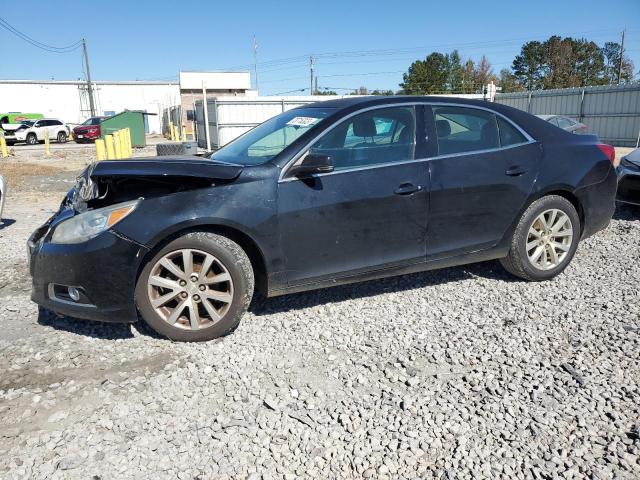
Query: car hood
(107,182)
(165,167)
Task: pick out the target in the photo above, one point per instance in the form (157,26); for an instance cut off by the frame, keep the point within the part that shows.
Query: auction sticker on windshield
(302,121)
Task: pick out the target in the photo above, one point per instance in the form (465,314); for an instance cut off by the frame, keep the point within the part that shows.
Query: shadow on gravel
(266,306)
(6,222)
(624,211)
(103,331)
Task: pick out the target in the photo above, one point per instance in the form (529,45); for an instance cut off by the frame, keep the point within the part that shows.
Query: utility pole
(311,75)
(92,107)
(255,60)
(621,58)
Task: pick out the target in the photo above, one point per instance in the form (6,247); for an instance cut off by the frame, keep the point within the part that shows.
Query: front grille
(629,189)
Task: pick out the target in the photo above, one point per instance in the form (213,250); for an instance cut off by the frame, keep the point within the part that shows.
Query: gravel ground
(459,373)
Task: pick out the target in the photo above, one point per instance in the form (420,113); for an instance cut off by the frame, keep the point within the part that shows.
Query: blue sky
(153,40)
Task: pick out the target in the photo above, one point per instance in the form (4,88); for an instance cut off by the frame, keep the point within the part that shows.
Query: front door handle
(516,171)
(407,189)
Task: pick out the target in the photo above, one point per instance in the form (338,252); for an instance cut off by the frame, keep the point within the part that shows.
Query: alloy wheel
(190,289)
(549,239)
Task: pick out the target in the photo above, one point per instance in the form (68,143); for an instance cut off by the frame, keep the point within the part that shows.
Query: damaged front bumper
(93,280)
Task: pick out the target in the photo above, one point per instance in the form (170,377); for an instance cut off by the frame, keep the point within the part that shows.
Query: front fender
(248,208)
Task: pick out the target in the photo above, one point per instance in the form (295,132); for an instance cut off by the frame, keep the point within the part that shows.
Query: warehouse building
(68,100)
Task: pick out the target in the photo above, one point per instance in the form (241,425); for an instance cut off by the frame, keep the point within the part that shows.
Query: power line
(394,51)
(289,91)
(43,46)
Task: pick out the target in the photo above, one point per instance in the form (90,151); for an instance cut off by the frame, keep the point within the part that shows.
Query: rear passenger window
(509,135)
(461,129)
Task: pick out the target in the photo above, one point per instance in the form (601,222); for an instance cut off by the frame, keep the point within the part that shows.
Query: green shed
(131,119)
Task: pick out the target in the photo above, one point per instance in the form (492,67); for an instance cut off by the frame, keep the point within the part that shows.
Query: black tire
(517,261)
(62,137)
(234,259)
(32,139)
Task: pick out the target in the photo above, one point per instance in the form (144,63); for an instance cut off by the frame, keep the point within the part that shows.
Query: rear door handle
(516,171)
(407,189)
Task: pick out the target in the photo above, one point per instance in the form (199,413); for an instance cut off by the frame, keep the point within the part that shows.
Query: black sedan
(629,178)
(329,193)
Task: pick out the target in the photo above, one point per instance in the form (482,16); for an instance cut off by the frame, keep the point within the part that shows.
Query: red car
(89,130)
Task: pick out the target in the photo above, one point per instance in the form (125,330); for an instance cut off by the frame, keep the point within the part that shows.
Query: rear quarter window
(463,129)
(509,135)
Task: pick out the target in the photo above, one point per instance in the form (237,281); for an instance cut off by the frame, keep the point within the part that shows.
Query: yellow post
(47,145)
(3,147)
(176,134)
(111,153)
(117,144)
(171,132)
(129,146)
(101,153)
(184,133)
(123,141)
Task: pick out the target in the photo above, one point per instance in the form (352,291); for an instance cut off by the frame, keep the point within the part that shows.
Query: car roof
(365,101)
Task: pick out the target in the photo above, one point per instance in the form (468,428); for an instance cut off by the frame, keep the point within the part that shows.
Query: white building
(68,99)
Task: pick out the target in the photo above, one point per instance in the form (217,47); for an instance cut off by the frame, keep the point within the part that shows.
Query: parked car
(3,195)
(565,123)
(33,131)
(10,122)
(325,194)
(629,178)
(89,130)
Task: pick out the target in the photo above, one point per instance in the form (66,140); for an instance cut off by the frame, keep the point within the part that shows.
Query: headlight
(89,224)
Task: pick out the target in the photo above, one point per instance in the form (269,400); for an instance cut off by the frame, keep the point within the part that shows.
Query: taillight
(610,152)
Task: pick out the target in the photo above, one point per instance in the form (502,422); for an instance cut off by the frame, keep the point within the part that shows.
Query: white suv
(33,131)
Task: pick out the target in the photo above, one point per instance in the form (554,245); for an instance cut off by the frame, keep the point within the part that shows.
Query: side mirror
(312,163)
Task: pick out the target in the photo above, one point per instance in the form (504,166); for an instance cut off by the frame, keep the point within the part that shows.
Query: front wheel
(545,239)
(32,139)
(196,288)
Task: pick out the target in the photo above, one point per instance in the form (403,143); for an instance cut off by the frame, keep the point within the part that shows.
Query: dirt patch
(15,174)
(39,374)
(14,279)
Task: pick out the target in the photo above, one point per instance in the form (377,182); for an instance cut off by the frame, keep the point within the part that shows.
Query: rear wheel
(196,288)
(32,139)
(62,137)
(545,239)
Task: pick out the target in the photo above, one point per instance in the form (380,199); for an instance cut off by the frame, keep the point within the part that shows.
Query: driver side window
(378,136)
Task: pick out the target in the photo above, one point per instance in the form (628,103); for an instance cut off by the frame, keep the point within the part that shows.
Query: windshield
(268,139)
(28,123)
(93,121)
